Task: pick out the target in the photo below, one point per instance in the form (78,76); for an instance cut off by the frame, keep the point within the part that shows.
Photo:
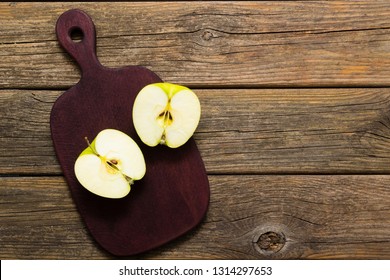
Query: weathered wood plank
(263,43)
(240,132)
(319,217)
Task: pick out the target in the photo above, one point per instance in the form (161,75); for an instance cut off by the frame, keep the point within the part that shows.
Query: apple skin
(110,164)
(165,113)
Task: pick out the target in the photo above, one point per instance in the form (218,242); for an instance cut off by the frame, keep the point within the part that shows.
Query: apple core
(165,113)
(110,164)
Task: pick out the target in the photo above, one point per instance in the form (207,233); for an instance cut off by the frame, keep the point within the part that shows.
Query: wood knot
(270,242)
(207,35)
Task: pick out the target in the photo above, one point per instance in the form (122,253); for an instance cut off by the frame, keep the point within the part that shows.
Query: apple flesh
(110,164)
(165,113)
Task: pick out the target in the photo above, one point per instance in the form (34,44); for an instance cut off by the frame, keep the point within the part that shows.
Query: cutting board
(170,200)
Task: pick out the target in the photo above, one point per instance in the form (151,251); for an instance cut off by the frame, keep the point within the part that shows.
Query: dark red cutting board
(173,196)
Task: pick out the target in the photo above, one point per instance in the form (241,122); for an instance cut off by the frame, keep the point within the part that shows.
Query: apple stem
(89,145)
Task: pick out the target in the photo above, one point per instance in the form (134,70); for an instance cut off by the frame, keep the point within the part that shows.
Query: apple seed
(110,164)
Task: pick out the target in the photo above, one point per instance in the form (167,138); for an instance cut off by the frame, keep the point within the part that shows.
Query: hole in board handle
(76,35)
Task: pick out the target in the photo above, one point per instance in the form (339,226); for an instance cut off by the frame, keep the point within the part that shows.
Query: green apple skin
(165,113)
(110,164)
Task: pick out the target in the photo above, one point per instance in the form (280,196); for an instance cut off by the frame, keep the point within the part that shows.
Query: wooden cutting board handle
(83,50)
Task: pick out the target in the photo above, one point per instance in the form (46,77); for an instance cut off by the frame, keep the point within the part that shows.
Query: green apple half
(110,164)
(165,113)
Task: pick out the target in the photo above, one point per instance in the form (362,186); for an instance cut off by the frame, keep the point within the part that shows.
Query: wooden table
(295,130)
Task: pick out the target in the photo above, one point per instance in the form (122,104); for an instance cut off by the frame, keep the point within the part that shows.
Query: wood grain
(206,43)
(242,131)
(320,217)
(294,130)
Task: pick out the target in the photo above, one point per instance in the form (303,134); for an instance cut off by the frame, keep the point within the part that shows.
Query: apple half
(165,113)
(110,164)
